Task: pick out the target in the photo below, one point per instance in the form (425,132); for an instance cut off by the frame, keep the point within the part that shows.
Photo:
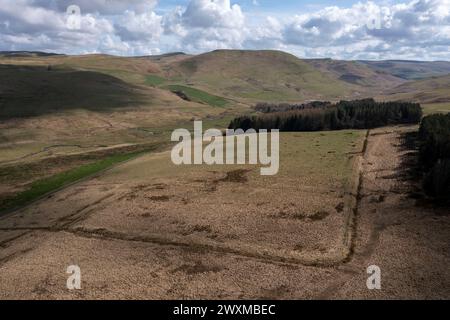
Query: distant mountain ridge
(429,90)
(357,73)
(410,70)
(243,77)
(398,70)
(28,54)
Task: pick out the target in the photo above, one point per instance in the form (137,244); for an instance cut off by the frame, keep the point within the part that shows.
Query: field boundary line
(352,203)
(268,254)
(10,212)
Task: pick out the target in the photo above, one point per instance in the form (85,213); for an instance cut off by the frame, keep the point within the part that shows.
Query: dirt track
(409,243)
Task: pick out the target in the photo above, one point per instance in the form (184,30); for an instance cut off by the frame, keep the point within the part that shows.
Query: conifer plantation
(434,154)
(357,114)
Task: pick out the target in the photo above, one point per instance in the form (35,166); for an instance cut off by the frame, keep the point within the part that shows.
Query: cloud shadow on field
(28,91)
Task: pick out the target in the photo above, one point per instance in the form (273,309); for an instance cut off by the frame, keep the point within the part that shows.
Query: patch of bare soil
(237,176)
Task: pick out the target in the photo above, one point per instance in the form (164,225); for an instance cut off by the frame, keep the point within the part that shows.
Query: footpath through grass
(45,186)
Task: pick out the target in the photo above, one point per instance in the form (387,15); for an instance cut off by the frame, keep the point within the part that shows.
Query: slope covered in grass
(433,108)
(357,73)
(130,69)
(33,90)
(433,90)
(42,187)
(198,95)
(411,70)
(154,80)
(258,76)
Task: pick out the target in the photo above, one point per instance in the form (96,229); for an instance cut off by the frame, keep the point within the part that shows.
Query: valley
(86,179)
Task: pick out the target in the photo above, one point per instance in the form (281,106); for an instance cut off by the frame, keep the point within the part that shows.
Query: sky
(346,29)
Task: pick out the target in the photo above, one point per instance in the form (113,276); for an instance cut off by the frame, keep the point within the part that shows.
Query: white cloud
(139,27)
(418,25)
(418,29)
(207,25)
(172,22)
(210,14)
(42,25)
(20,16)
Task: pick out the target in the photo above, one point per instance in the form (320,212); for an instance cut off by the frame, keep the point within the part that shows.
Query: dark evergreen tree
(358,114)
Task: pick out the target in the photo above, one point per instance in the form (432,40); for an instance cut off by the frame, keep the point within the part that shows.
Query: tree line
(434,154)
(266,107)
(357,114)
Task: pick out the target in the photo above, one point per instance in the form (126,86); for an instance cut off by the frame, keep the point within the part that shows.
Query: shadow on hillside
(27,91)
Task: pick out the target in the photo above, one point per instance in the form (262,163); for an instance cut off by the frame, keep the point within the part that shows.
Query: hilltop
(257,76)
(222,78)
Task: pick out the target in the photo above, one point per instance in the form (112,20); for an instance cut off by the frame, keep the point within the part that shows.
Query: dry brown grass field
(230,207)
(83,183)
(147,229)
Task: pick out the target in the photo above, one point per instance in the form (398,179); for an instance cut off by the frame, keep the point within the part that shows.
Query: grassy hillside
(56,105)
(44,186)
(33,90)
(130,69)
(433,108)
(357,73)
(169,57)
(248,76)
(199,96)
(431,91)
(257,76)
(411,70)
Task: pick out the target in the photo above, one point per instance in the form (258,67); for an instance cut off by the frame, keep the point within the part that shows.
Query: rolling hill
(257,76)
(410,70)
(431,90)
(35,90)
(218,79)
(129,69)
(357,73)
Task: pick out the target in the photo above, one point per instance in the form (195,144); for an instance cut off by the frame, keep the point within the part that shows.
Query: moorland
(86,178)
